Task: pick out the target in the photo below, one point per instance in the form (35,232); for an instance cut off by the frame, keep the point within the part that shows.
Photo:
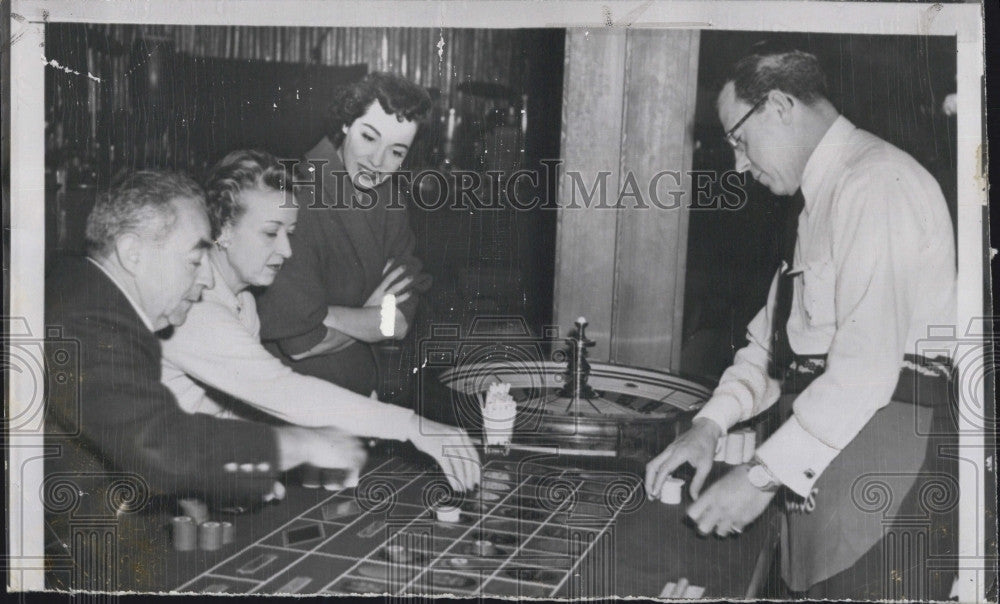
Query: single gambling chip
(670,492)
(451,514)
(483,547)
(497,475)
(490,496)
(495,485)
(397,553)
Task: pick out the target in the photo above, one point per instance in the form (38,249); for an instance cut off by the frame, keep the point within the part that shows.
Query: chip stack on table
(209,536)
(499,412)
(194,530)
(185,533)
(228,533)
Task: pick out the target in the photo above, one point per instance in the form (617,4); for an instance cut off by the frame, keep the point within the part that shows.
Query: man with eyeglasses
(868,265)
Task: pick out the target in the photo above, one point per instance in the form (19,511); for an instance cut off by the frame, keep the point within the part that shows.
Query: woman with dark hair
(215,363)
(354,245)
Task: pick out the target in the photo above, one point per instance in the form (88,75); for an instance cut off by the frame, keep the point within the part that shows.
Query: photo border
(25,449)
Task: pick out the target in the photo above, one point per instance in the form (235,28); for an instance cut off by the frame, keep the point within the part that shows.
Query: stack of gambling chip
(185,533)
(195,531)
(736,447)
(499,412)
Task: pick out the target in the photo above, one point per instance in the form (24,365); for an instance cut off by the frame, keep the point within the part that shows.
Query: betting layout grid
(530,530)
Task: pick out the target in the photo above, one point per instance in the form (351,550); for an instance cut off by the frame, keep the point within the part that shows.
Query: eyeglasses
(730,134)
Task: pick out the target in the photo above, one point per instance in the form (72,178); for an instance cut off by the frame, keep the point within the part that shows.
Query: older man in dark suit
(120,436)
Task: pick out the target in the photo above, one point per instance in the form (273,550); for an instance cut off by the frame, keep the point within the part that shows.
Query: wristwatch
(761,478)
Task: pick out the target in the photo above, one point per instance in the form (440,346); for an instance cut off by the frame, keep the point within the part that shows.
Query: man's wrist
(710,424)
(761,477)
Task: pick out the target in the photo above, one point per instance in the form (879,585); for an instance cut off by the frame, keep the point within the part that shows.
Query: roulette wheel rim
(636,412)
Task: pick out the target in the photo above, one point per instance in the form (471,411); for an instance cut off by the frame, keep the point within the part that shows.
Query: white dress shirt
(219,345)
(875,258)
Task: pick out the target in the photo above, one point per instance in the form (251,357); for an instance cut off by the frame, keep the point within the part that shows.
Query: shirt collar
(825,156)
(138,309)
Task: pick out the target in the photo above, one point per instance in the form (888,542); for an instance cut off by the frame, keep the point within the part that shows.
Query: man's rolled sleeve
(724,410)
(745,389)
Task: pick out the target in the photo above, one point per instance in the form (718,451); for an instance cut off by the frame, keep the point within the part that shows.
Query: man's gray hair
(139,203)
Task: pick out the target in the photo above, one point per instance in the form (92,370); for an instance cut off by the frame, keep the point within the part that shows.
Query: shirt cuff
(795,457)
(303,343)
(725,411)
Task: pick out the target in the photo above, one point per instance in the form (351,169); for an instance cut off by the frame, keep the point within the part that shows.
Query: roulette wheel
(572,404)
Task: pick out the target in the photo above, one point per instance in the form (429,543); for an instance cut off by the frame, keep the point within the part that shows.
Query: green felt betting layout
(530,530)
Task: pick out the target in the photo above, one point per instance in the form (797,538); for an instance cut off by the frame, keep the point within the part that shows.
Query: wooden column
(628,111)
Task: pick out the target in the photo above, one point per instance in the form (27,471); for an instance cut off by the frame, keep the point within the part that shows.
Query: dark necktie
(781,350)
